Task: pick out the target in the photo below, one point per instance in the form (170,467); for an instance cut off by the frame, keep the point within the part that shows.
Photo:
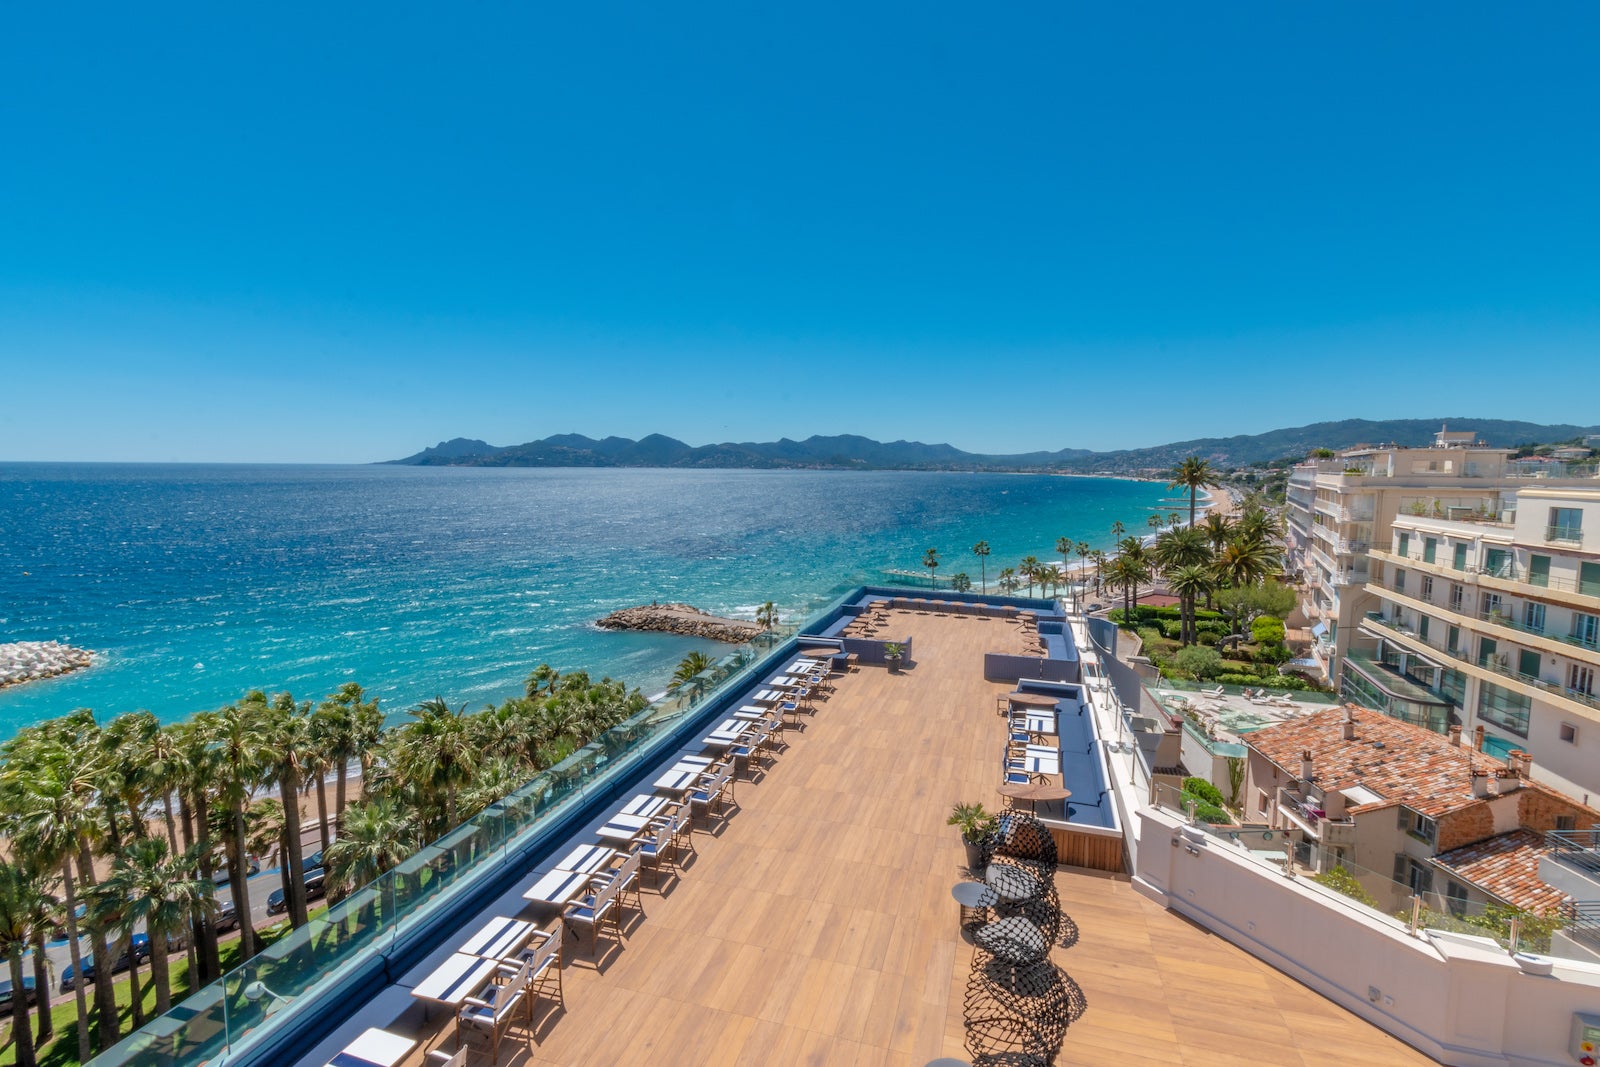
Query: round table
(1033,792)
(1011,884)
(975,899)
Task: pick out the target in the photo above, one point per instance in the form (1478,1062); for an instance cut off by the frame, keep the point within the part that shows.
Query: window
(1455,897)
(1503,708)
(1430,549)
(1404,548)
(1589,579)
(1566,524)
(1566,822)
(1491,606)
(1455,596)
(1458,561)
(1497,561)
(1422,626)
(1487,647)
(1452,639)
(1417,824)
(1539,571)
(1569,733)
(1580,679)
(1586,630)
(1399,580)
(1427,588)
(1533,617)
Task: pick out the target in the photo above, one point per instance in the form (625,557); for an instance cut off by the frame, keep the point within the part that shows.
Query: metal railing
(1577,848)
(1566,534)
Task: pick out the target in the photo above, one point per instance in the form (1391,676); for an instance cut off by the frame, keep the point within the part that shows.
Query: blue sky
(341,232)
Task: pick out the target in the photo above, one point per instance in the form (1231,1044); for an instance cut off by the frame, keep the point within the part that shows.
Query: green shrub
(1218,628)
(1197,661)
(1150,635)
(1274,654)
(1207,812)
(1267,630)
(1204,790)
(1207,638)
(1342,881)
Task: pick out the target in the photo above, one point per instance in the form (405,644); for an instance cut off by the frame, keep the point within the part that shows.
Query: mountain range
(852,452)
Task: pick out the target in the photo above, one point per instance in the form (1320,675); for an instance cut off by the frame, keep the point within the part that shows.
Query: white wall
(1458,999)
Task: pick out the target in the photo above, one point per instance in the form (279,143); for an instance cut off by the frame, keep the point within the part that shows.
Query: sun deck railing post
(1416,913)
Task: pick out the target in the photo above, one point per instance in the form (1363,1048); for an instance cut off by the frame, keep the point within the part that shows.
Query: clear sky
(343,232)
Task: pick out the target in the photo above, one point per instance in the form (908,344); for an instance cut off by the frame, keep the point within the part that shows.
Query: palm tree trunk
(105,999)
(240,866)
(160,973)
(21,1026)
(205,933)
(70,892)
(322,809)
(41,990)
(135,993)
(172,826)
(340,774)
(1193,489)
(293,862)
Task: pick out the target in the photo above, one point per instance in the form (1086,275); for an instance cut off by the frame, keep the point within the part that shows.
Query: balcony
(1309,816)
(1566,535)
(1498,617)
(1571,863)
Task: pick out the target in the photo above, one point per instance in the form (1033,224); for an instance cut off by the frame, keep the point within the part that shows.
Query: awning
(1319,629)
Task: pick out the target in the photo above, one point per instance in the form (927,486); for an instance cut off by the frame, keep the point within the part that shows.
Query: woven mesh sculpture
(1026,935)
(1023,839)
(1017,1009)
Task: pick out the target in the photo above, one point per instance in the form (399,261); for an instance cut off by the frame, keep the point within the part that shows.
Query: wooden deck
(817,927)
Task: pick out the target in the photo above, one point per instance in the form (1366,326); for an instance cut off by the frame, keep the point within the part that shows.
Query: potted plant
(975,824)
(892,652)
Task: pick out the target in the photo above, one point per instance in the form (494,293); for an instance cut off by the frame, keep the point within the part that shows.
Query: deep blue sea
(195,584)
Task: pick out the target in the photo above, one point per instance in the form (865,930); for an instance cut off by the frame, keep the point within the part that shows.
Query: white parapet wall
(1460,999)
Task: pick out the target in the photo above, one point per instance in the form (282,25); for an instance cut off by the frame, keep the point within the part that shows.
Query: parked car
(139,948)
(227,916)
(277,904)
(222,877)
(28,991)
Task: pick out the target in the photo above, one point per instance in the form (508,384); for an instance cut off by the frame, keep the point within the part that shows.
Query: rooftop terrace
(816,925)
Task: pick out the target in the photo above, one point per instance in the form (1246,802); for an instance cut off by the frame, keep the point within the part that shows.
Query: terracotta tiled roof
(1401,763)
(1506,865)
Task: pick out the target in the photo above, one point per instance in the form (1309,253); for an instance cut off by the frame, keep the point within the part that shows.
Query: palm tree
(1127,571)
(18,891)
(543,680)
(335,727)
(960,582)
(437,755)
(1064,546)
(1028,569)
(161,891)
(198,774)
(239,738)
(981,550)
(377,835)
(690,667)
(1245,562)
(1188,583)
(1008,580)
(1117,529)
(1173,518)
(1176,550)
(767,615)
(930,560)
(1154,522)
(289,739)
(1193,474)
(1099,558)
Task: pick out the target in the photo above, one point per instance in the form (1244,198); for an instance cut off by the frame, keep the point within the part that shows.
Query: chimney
(1305,765)
(1520,763)
(1477,738)
(1349,724)
(1455,736)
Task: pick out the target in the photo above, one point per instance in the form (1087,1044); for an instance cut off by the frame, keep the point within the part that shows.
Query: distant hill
(852,452)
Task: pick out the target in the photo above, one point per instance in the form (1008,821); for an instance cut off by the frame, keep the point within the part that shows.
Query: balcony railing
(1491,664)
(1308,812)
(1566,534)
(1578,848)
(1499,618)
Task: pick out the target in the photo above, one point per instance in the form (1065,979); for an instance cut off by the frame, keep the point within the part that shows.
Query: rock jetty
(28,661)
(685,619)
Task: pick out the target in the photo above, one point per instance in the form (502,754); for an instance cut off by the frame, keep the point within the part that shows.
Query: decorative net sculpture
(1022,838)
(1026,935)
(1017,1009)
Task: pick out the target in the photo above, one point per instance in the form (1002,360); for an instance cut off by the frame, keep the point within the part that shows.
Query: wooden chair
(598,904)
(440,1058)
(707,795)
(624,874)
(489,1010)
(658,845)
(542,959)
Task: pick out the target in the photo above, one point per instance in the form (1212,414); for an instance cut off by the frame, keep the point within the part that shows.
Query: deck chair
(542,960)
(489,1010)
(658,845)
(440,1058)
(593,909)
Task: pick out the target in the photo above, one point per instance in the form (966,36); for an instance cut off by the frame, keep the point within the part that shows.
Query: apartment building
(1492,623)
(1339,508)
(1407,810)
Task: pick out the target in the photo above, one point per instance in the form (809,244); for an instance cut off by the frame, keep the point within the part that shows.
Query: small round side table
(975,899)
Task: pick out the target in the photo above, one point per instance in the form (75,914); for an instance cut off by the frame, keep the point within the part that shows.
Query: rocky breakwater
(28,661)
(684,619)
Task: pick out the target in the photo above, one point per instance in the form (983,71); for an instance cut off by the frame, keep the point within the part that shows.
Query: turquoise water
(196,584)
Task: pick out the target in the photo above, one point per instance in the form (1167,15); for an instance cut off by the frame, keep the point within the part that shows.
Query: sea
(194,584)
